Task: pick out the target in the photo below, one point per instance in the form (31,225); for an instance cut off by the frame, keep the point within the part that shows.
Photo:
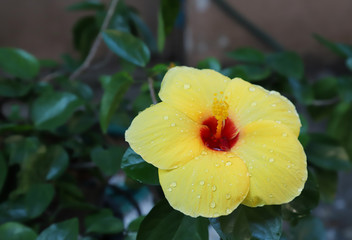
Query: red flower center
(227,139)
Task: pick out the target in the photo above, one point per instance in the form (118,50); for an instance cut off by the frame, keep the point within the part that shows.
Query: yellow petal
(164,136)
(192,91)
(249,103)
(210,185)
(275,160)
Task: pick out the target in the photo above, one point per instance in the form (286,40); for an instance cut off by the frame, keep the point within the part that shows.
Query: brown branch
(151,90)
(97,41)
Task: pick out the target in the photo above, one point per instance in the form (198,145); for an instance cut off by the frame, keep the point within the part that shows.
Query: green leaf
(167,15)
(127,47)
(305,202)
(58,161)
(135,167)
(3,171)
(67,230)
(247,55)
(327,181)
(14,88)
(135,224)
(325,152)
(20,149)
(250,223)
(115,87)
(209,63)
(250,73)
(163,222)
(103,222)
(309,228)
(349,63)
(87,5)
(28,206)
(325,88)
(345,88)
(330,45)
(108,160)
(301,90)
(52,110)
(18,63)
(288,64)
(16,231)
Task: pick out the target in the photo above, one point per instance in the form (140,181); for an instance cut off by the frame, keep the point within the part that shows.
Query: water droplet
(166,117)
(213,188)
(251,89)
(273,105)
(279,122)
(186,86)
(173,184)
(228,196)
(198,196)
(288,166)
(217,165)
(204,153)
(206,170)
(211,177)
(192,190)
(271,159)
(173,124)
(212,204)
(271,150)
(228,163)
(289,111)
(284,134)
(169,189)
(270,195)
(196,158)
(181,130)
(228,211)
(201,183)
(250,167)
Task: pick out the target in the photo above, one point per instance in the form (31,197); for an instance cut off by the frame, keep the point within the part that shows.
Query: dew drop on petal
(186,86)
(217,165)
(204,153)
(169,189)
(166,117)
(254,104)
(173,184)
(201,183)
(279,122)
(192,190)
(228,211)
(271,159)
(251,89)
(212,204)
(284,134)
(198,196)
(270,195)
(228,196)
(213,188)
(228,164)
(273,105)
(173,124)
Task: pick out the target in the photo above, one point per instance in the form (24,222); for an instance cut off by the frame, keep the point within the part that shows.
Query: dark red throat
(228,138)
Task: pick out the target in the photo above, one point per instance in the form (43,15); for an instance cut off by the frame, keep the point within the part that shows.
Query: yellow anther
(220,112)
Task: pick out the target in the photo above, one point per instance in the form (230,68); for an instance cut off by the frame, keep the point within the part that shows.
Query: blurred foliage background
(67,173)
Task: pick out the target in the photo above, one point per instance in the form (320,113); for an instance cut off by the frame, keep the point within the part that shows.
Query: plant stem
(249,26)
(151,90)
(97,41)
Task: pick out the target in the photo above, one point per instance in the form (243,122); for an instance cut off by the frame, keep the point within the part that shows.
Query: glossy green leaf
(3,171)
(167,15)
(325,88)
(58,161)
(309,228)
(305,202)
(288,64)
(158,69)
(103,222)
(115,87)
(247,55)
(163,222)
(127,47)
(14,88)
(327,153)
(250,223)
(329,44)
(52,110)
(327,181)
(209,63)
(18,63)
(301,90)
(85,32)
(108,160)
(87,5)
(67,230)
(135,167)
(135,224)
(250,73)
(16,231)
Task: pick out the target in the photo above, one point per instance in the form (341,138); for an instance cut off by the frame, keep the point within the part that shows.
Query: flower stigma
(219,132)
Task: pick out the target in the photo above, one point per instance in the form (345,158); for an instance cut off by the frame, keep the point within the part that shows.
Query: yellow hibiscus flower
(219,143)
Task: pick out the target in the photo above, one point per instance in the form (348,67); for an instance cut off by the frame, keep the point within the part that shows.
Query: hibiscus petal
(164,136)
(249,103)
(192,91)
(275,160)
(210,185)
